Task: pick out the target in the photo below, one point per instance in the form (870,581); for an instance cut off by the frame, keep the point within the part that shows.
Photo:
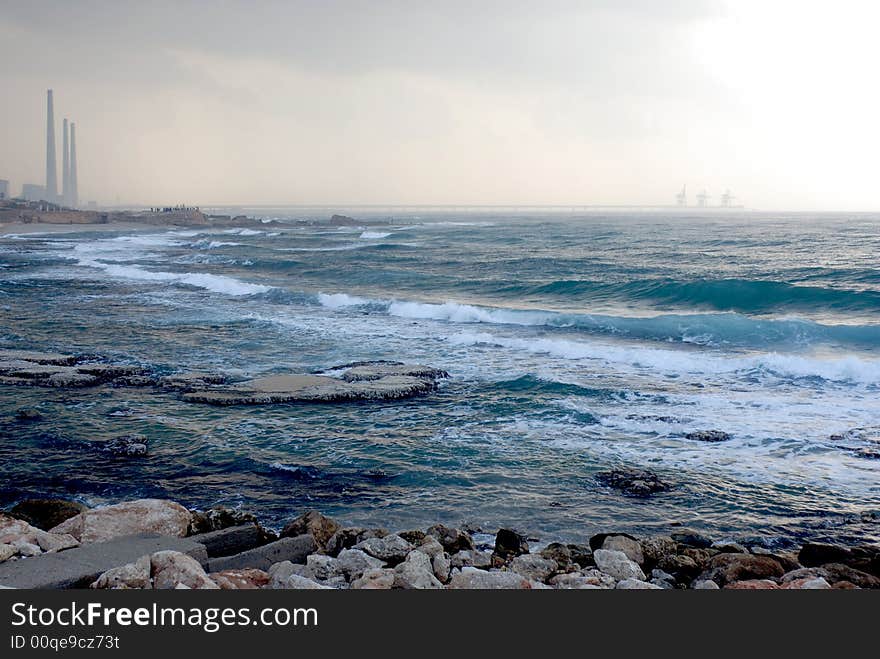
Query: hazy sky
(580,102)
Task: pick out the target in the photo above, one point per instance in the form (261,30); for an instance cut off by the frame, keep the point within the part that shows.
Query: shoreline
(160,544)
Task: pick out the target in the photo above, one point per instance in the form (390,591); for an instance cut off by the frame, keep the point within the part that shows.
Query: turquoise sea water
(576,343)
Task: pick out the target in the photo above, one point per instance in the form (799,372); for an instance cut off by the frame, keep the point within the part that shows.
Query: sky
(411,102)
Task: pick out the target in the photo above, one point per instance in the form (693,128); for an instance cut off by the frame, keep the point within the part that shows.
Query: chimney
(51,171)
(74,187)
(65,168)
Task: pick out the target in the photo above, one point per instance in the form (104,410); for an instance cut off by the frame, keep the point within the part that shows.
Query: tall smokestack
(51,171)
(74,186)
(65,168)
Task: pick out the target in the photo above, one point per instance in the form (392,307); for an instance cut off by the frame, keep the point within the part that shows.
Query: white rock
(279,573)
(471,578)
(375,579)
(617,565)
(172,568)
(128,518)
(390,548)
(355,562)
(7,551)
(25,548)
(635,584)
(632,548)
(131,575)
(704,584)
(416,572)
(534,567)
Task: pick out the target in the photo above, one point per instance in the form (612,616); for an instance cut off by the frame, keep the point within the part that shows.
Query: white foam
(374,235)
(674,363)
(340,300)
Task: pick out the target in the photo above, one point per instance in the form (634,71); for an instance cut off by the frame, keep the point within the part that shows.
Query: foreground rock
(130,518)
(20,539)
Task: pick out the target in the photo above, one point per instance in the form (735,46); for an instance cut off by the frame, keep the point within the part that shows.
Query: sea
(576,342)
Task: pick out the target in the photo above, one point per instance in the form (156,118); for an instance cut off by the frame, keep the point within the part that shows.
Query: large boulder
(616,564)
(375,579)
(46,513)
(157,516)
(728,568)
(625,543)
(321,528)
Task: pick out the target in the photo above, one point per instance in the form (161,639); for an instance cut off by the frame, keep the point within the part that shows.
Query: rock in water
(616,564)
(128,518)
(28,414)
(46,513)
(708,436)
(635,482)
(129,446)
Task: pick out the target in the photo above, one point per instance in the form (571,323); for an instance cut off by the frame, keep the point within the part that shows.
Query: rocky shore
(153,543)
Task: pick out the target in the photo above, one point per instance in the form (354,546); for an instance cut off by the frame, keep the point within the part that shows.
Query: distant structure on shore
(703,198)
(4,189)
(69,196)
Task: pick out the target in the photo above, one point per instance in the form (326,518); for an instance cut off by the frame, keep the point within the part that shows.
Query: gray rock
(280,572)
(708,436)
(617,565)
(354,563)
(453,540)
(295,550)
(629,546)
(391,549)
(636,584)
(582,581)
(232,540)
(129,446)
(130,575)
(348,537)
(704,584)
(533,567)
(470,578)
(472,558)
(442,566)
(324,567)
(691,538)
(170,569)
(635,482)
(416,572)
